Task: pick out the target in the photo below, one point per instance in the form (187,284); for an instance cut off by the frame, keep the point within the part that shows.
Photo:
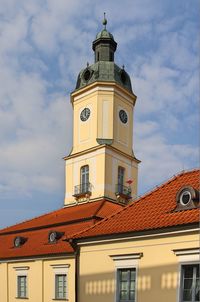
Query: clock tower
(102,163)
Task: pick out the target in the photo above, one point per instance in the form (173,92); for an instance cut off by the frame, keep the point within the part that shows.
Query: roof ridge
(99,208)
(166,182)
(104,219)
(27,220)
(9,229)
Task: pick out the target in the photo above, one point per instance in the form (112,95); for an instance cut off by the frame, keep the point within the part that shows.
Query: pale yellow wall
(84,132)
(41,280)
(123,133)
(3,282)
(103,170)
(96,162)
(157,273)
(104,104)
(113,161)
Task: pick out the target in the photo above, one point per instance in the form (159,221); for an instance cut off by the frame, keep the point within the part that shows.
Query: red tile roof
(69,220)
(154,210)
(100,209)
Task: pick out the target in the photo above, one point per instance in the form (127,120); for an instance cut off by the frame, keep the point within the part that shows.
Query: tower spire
(104,22)
(104,45)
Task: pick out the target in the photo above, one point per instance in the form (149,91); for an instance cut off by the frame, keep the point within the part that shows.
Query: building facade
(105,244)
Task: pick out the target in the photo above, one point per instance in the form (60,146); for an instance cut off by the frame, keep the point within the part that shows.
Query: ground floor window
(60,286)
(22,286)
(190,283)
(126,280)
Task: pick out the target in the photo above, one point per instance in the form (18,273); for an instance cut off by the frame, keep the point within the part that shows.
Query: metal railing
(82,189)
(122,190)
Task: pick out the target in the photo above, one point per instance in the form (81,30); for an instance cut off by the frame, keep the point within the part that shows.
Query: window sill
(60,299)
(26,298)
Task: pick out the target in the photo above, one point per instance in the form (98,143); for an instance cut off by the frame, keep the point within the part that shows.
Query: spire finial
(104,20)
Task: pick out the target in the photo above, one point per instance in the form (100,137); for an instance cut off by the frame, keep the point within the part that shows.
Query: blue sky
(43,46)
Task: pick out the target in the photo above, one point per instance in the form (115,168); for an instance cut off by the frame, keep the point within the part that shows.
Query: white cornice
(113,89)
(32,259)
(141,237)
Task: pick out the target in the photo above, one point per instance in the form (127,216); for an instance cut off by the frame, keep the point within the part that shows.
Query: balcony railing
(82,189)
(123,191)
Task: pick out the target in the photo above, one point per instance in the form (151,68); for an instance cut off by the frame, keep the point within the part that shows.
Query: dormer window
(187,198)
(54,236)
(19,240)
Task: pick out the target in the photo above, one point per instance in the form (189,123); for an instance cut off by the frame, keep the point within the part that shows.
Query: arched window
(84,179)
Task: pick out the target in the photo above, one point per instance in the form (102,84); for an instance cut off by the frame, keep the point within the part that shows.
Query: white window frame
(60,269)
(190,256)
(126,261)
(21,272)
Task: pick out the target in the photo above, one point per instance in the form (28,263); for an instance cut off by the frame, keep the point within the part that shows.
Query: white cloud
(44,44)
(161,159)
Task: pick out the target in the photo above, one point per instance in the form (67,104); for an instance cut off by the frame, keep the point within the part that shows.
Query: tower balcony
(123,191)
(82,190)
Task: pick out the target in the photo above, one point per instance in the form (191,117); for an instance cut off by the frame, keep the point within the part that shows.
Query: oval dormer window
(87,74)
(185,197)
(18,241)
(52,237)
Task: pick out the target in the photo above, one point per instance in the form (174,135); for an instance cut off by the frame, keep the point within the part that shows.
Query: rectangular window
(126,285)
(121,175)
(84,179)
(60,286)
(120,184)
(190,283)
(22,286)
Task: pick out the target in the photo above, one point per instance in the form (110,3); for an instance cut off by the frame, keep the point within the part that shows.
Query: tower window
(111,56)
(84,179)
(120,183)
(121,172)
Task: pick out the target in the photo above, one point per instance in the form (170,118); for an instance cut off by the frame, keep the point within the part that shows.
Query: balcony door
(120,179)
(84,179)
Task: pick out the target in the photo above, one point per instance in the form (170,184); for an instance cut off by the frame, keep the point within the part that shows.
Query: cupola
(104,68)
(104,45)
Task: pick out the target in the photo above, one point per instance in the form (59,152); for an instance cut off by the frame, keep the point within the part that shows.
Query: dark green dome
(104,71)
(104,34)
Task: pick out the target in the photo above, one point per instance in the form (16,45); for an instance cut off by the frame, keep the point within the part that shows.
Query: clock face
(85,113)
(123,116)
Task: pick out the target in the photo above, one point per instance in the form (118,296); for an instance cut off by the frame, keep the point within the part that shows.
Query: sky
(43,46)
